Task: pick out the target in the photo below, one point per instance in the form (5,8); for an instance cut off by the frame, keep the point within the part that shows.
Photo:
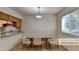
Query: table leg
(46,43)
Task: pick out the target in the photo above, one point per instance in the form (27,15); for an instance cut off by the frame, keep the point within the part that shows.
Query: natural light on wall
(70,23)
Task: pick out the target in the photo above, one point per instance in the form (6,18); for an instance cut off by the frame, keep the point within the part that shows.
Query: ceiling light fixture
(38,16)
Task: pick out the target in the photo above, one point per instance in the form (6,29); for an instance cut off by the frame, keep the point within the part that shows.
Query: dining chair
(37,42)
(26,42)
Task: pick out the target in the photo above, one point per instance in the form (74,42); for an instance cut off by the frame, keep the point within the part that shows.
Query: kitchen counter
(7,34)
(9,42)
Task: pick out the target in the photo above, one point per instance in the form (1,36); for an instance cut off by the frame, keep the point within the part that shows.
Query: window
(70,23)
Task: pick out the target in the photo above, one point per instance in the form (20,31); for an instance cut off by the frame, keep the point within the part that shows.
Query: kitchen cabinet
(17,20)
(9,42)
(6,17)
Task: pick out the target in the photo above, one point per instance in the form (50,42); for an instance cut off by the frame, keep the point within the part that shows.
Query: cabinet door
(17,20)
(3,16)
(11,18)
(18,23)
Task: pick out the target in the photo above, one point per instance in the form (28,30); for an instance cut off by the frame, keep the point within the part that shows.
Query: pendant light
(38,16)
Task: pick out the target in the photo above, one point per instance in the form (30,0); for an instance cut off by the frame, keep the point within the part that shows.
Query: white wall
(10,12)
(44,27)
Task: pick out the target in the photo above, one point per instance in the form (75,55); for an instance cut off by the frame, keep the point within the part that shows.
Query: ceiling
(34,10)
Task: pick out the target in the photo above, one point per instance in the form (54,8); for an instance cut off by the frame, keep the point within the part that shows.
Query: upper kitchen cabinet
(3,16)
(17,20)
(6,17)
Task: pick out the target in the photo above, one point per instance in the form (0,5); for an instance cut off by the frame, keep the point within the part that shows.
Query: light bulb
(38,16)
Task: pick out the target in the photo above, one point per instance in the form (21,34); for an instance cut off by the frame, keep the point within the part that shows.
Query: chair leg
(57,46)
